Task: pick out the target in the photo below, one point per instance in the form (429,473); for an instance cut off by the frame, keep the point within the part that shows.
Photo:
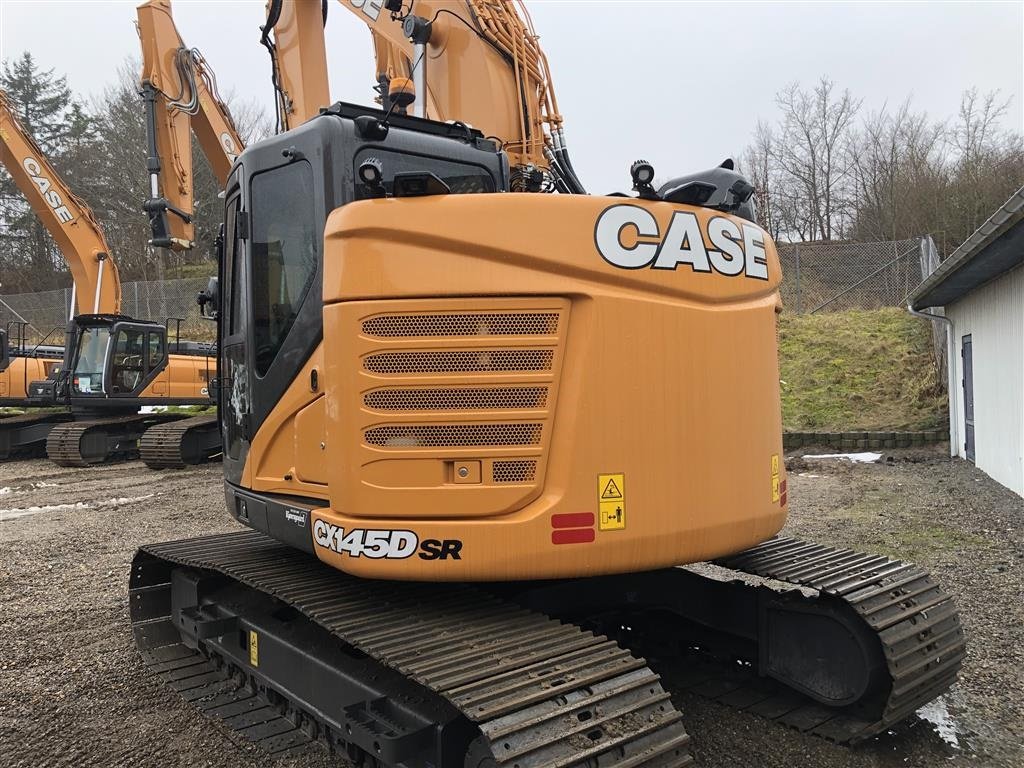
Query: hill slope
(859,370)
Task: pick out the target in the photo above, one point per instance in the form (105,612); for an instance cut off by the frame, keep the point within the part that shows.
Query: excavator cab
(115,357)
(109,359)
(277,202)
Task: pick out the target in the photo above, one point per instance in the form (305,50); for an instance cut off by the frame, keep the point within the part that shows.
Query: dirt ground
(74,693)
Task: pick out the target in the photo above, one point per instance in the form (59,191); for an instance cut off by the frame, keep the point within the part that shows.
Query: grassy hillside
(859,370)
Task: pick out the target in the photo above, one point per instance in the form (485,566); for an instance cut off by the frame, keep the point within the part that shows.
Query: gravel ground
(74,693)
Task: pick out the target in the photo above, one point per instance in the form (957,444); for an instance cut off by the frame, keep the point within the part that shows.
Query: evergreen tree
(43,103)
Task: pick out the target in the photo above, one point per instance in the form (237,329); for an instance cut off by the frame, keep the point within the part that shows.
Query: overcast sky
(679,84)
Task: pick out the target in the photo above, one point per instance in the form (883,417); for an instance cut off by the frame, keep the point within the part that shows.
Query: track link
(540,692)
(177,444)
(25,435)
(915,621)
(87,442)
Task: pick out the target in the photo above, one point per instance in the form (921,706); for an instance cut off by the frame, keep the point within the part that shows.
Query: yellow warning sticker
(611,501)
(775,477)
(611,487)
(254,649)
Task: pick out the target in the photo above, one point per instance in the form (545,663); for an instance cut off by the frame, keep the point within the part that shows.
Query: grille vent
(517,471)
(457,399)
(463,324)
(453,435)
(465,361)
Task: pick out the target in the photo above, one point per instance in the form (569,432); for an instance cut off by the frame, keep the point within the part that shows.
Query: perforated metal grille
(467,361)
(517,471)
(463,324)
(456,399)
(453,435)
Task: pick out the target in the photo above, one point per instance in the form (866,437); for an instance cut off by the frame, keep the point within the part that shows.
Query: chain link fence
(817,277)
(831,277)
(47,312)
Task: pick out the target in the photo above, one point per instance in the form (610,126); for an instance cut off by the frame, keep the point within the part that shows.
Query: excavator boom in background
(96,287)
(481,433)
(181,98)
(180,92)
(498,82)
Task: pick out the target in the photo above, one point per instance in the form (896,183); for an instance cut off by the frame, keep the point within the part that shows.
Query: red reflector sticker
(573,520)
(573,536)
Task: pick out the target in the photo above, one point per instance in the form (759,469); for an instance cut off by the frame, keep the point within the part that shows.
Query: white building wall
(993,315)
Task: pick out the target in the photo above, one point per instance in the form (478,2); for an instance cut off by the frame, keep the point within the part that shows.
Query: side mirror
(209,300)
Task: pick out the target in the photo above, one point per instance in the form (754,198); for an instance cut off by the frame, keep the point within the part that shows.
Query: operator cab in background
(109,361)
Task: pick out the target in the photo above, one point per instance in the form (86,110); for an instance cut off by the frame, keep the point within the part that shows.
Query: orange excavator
(110,364)
(485,437)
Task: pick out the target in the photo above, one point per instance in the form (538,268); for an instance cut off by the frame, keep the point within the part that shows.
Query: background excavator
(110,364)
(478,431)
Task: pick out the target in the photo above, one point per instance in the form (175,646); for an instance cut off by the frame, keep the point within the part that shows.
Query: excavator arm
(474,61)
(67,217)
(180,91)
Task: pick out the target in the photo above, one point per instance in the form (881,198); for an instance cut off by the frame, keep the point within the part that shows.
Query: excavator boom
(66,216)
(473,61)
(181,97)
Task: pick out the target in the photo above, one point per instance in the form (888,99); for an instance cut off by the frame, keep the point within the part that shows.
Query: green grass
(859,370)
(205,268)
(191,410)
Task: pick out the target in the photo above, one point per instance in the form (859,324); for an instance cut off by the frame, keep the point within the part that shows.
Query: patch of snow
(13,514)
(124,500)
(6,489)
(808,474)
(153,409)
(856,458)
(937,713)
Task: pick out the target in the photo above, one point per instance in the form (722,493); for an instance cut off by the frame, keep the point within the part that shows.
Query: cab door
(135,358)
(233,384)
(5,352)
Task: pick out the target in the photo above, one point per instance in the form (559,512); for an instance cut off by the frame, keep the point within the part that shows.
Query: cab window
(128,367)
(156,351)
(284,248)
(87,377)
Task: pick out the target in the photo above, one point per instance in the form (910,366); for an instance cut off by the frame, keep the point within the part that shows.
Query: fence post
(799,308)
(136,312)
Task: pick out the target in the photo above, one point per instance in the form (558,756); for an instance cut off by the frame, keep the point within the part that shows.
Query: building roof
(995,248)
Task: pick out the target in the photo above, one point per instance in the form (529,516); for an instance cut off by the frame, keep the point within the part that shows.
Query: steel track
(170,445)
(541,693)
(914,620)
(94,441)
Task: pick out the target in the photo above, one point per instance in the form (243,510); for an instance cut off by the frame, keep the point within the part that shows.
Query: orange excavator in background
(480,433)
(103,383)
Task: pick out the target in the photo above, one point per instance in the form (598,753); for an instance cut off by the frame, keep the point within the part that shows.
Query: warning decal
(254,648)
(611,491)
(611,501)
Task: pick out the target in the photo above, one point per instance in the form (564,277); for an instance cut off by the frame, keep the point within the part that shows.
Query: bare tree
(757,161)
(812,155)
